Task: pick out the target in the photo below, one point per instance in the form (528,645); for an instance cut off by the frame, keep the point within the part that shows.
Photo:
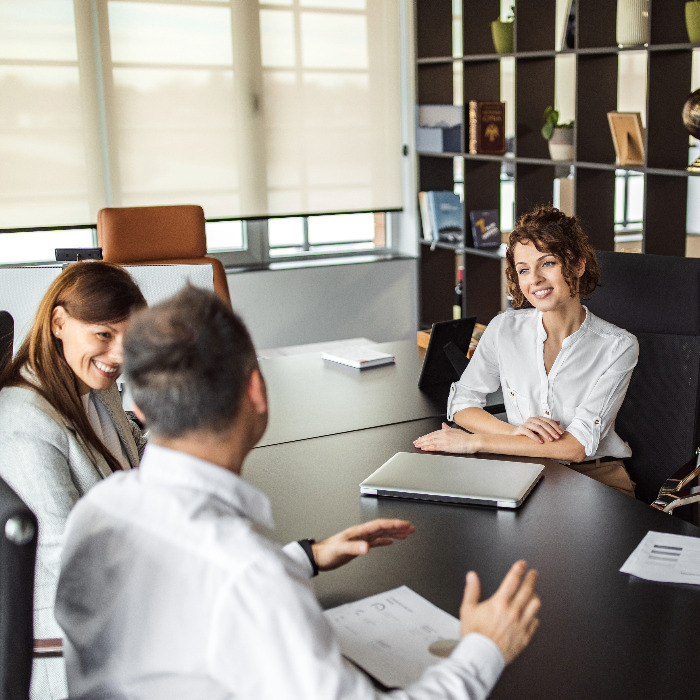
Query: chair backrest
(18,539)
(161,234)
(7,337)
(657,298)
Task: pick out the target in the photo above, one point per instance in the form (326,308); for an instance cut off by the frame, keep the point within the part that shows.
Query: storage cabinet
(596,54)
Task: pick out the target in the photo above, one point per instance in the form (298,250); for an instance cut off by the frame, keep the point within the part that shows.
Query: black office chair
(18,540)
(658,299)
(7,337)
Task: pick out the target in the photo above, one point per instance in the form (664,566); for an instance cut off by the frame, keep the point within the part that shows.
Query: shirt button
(546,413)
(512,393)
(596,421)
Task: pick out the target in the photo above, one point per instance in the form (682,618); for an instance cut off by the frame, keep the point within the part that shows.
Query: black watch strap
(306,546)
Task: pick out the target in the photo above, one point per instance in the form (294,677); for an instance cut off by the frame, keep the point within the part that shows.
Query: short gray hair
(187,362)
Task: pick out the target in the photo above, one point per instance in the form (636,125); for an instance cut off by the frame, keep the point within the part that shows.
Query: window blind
(251,109)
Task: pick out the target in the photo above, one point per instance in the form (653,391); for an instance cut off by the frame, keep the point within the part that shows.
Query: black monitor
(446,356)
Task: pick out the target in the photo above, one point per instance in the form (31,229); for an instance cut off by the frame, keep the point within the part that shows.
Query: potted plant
(502,33)
(692,20)
(559,136)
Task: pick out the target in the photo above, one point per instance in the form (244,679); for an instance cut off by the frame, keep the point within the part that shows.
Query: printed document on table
(394,636)
(665,558)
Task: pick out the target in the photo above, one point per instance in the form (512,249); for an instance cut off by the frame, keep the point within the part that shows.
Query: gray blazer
(42,459)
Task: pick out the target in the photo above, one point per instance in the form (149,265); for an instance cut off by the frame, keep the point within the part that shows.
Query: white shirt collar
(578,333)
(161,465)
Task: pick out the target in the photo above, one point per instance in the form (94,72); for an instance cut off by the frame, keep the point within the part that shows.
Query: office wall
(377,300)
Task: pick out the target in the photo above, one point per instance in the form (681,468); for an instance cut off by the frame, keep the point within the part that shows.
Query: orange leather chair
(166,235)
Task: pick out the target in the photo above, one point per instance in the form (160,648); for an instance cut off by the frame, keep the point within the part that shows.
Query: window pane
(162,33)
(278,48)
(40,246)
(225,235)
(341,228)
(37,30)
(163,156)
(286,232)
(334,41)
(325,119)
(43,170)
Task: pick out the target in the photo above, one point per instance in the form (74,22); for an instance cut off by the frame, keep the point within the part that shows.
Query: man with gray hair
(169,589)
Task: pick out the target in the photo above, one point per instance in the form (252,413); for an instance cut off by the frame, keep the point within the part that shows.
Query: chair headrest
(140,234)
(645,293)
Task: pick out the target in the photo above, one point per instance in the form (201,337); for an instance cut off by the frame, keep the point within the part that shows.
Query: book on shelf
(487,132)
(441,216)
(360,358)
(628,137)
(486,232)
(425,216)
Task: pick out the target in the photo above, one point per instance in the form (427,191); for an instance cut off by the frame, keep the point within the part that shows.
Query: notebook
(445,357)
(453,479)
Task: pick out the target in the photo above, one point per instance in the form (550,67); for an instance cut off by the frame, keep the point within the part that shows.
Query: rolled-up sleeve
(481,377)
(595,416)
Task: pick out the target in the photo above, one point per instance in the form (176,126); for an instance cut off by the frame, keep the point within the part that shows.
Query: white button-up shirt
(585,386)
(169,590)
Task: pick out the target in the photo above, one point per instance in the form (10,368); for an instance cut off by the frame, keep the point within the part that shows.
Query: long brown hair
(91,292)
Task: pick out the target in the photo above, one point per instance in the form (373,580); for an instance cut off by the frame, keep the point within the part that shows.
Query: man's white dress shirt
(169,589)
(585,386)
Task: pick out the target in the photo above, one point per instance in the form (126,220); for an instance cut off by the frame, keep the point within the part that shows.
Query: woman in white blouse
(564,372)
(62,426)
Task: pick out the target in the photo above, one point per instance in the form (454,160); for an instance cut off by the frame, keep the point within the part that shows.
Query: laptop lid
(462,480)
(446,356)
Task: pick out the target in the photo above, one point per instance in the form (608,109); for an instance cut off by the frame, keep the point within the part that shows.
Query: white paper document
(665,558)
(394,636)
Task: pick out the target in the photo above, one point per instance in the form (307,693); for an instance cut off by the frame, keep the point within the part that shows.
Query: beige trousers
(609,473)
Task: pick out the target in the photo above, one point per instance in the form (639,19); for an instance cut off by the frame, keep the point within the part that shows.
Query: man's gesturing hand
(509,616)
(358,540)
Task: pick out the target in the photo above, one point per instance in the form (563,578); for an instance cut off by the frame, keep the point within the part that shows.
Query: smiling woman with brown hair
(563,371)
(62,426)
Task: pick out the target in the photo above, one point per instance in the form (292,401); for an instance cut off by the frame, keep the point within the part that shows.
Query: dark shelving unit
(669,60)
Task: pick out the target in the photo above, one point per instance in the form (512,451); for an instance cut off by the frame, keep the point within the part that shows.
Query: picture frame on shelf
(628,137)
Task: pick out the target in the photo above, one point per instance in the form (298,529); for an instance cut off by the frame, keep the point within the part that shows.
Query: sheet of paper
(665,558)
(395,635)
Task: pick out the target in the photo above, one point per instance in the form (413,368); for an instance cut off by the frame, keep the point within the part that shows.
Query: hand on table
(448,440)
(509,616)
(540,429)
(357,540)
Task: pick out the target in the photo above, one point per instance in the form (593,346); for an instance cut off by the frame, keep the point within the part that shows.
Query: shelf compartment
(596,95)
(435,84)
(667,22)
(537,16)
(666,201)
(595,24)
(433,29)
(534,184)
(476,25)
(436,173)
(594,196)
(669,80)
(528,73)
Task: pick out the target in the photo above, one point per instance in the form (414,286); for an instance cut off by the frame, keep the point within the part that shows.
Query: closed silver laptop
(453,479)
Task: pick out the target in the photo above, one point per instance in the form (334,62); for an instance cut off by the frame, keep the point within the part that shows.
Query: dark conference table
(310,397)
(603,634)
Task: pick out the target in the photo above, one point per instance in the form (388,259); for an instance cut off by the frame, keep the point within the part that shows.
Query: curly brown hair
(552,231)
